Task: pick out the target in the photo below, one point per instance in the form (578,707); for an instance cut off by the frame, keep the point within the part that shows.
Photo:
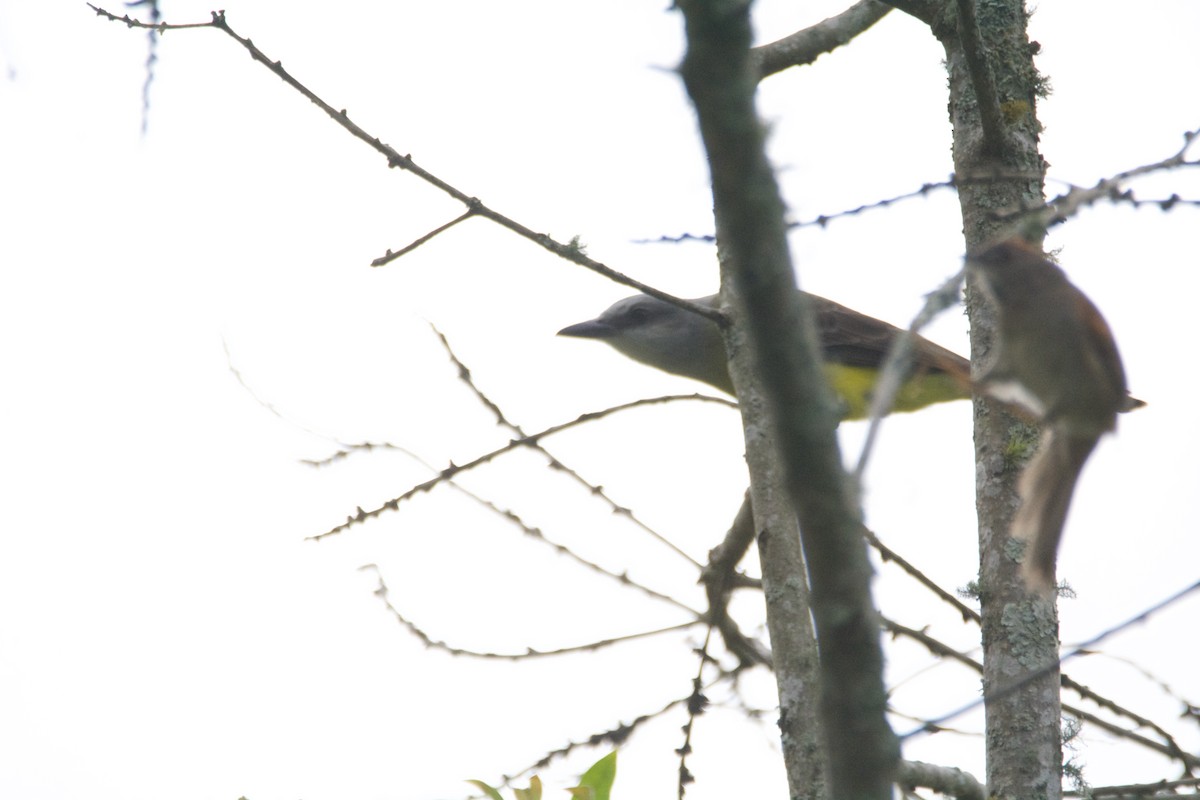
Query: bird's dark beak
(592,329)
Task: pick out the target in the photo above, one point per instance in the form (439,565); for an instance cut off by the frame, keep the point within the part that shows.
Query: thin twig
(804,46)
(1169,747)
(571,251)
(1070,203)
(1172,750)
(436,644)
(507,514)
(464,375)
(897,362)
(362,515)
(697,704)
(887,554)
(720,577)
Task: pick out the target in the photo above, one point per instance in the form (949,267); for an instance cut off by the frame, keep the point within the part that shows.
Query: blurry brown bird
(1057,358)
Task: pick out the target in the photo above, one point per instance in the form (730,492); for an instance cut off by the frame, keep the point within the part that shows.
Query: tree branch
(794,406)
(981,77)
(944,780)
(572,251)
(719,577)
(805,46)
(362,515)
(1020,630)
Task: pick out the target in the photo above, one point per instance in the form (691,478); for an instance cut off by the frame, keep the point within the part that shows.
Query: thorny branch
(382,593)
(464,374)
(748,651)
(347,448)
(1171,748)
(571,251)
(1070,203)
(1059,209)
(362,515)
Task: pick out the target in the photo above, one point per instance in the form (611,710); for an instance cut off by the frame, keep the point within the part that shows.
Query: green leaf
(534,792)
(597,782)
(489,791)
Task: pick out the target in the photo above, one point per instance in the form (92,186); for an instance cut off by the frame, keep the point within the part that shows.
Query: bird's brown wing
(853,339)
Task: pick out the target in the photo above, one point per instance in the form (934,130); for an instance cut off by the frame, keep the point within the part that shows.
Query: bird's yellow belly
(855,385)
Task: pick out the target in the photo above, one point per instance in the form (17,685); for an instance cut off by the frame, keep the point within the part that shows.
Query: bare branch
(719,577)
(991,120)
(885,552)
(537,534)
(158,27)
(944,780)
(1164,687)
(697,704)
(1144,791)
(436,644)
(983,176)
(614,736)
(1168,747)
(420,240)
(572,251)
(464,375)
(805,46)
(1048,213)
(362,515)
(729,627)
(1067,205)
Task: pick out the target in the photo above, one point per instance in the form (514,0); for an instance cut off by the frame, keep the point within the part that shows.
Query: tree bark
(993,81)
(775,333)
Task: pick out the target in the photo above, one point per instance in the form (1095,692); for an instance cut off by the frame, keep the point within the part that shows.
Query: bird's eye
(639,314)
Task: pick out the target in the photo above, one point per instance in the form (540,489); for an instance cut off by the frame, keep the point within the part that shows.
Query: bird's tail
(1046,487)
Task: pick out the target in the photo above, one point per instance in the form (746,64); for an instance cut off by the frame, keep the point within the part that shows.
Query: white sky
(165,630)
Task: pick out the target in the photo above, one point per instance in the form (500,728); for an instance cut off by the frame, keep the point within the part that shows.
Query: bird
(1055,357)
(853,348)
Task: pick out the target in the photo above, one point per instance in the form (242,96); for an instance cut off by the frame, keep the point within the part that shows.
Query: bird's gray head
(663,336)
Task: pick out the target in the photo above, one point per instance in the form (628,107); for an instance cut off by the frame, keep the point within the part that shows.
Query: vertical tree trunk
(1020,629)
(785,590)
(801,414)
